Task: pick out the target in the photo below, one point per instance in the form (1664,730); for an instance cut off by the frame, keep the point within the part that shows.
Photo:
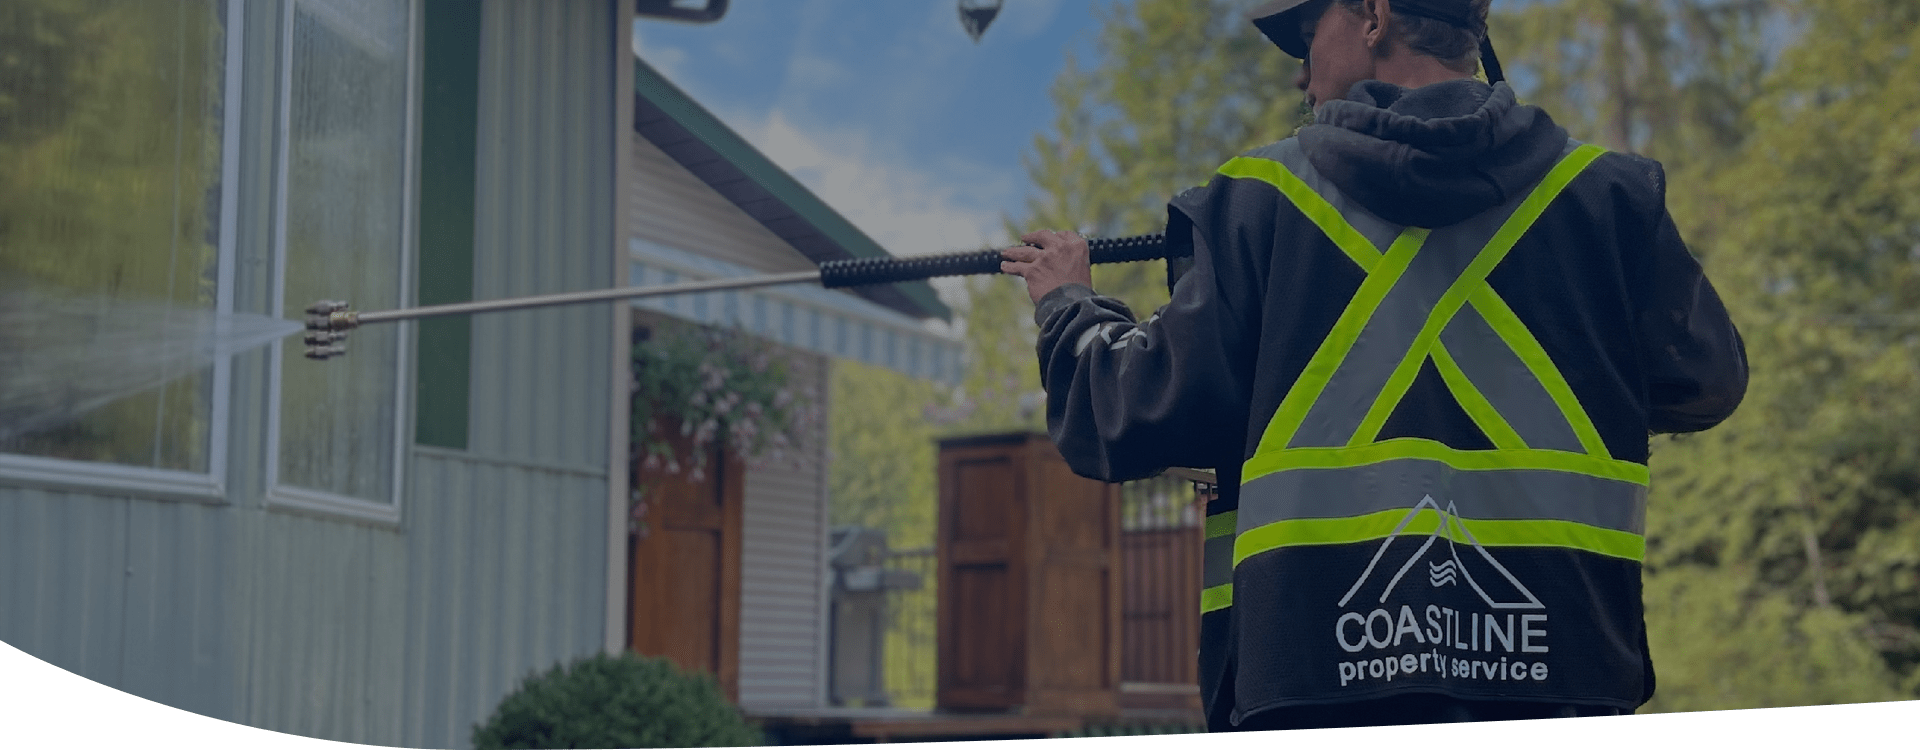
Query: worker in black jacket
(1424,342)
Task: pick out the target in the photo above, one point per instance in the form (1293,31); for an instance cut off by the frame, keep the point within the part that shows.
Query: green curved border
(45,706)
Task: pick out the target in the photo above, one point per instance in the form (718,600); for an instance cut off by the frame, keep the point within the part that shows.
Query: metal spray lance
(329,321)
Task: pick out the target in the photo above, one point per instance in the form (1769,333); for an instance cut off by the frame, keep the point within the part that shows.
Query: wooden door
(1073,565)
(982,603)
(686,569)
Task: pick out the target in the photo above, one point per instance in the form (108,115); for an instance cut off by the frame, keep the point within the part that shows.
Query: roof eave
(709,149)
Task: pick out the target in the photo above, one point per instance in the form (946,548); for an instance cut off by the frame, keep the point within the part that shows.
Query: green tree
(1176,88)
(881,474)
(1665,78)
(1812,491)
(881,452)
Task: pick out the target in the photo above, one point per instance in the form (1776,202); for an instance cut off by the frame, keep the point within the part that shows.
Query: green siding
(449,114)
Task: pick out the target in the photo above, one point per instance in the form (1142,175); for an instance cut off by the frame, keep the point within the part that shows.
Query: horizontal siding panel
(791,665)
(790,668)
(785,548)
(783,586)
(782,647)
(783,619)
(672,206)
(775,693)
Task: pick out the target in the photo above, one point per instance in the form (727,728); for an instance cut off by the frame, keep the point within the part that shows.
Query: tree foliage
(1812,491)
(881,452)
(1176,89)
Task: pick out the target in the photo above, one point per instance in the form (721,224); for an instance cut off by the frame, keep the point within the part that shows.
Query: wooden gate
(1160,549)
(1028,580)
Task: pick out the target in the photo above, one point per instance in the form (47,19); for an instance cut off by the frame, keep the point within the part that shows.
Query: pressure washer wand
(328,322)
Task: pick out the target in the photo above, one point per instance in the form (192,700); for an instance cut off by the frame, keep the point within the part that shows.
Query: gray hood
(1435,155)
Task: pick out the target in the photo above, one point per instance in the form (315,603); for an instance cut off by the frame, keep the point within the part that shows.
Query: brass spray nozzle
(328,322)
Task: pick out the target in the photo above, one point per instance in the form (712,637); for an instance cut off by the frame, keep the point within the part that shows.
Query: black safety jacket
(1433,334)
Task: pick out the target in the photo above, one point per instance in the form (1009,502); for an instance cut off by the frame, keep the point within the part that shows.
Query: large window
(119,136)
(113,117)
(344,237)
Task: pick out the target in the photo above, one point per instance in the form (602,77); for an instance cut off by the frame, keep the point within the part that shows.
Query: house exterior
(703,204)
(378,547)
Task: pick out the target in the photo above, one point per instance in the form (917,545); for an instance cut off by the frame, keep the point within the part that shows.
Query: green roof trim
(757,169)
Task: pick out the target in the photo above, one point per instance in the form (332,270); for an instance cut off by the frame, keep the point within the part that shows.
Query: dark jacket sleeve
(1127,399)
(1696,362)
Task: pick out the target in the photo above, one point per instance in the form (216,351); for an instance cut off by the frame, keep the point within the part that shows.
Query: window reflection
(110,133)
(345,203)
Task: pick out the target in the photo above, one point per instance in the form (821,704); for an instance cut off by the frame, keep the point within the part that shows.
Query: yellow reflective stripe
(1346,330)
(1310,203)
(1302,532)
(1471,280)
(1221,524)
(1216,597)
(1493,460)
(1521,341)
(1474,402)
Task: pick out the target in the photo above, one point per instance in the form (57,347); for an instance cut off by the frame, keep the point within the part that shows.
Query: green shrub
(625,701)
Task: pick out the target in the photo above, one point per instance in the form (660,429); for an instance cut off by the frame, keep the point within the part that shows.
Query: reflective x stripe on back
(1549,480)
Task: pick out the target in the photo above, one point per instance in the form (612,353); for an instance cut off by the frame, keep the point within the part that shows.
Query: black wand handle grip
(864,271)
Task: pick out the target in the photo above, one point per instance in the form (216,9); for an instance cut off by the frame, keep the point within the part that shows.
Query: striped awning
(802,316)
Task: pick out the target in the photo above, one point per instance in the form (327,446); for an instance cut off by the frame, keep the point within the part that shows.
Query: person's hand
(1049,261)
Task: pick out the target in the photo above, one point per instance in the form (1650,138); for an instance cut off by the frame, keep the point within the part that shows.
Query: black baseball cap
(1279,21)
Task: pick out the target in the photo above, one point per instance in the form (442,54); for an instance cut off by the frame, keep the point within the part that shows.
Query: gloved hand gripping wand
(328,322)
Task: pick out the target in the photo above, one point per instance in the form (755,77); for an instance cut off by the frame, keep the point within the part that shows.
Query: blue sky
(885,108)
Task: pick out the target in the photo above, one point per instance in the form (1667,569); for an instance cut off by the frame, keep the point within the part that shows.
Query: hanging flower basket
(703,388)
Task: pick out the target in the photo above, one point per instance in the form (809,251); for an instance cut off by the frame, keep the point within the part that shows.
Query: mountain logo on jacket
(1496,586)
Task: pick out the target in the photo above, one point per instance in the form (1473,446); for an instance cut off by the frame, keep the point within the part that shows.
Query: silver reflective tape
(1385,340)
(1217,562)
(1517,494)
(1393,326)
(1288,152)
(1497,372)
(1101,331)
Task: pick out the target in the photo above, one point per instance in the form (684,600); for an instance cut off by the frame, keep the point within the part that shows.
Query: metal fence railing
(1160,542)
(911,639)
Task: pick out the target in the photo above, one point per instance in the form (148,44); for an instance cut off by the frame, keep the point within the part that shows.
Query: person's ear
(1374,24)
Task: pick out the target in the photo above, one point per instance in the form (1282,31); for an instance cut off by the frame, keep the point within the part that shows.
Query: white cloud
(906,206)
(909,207)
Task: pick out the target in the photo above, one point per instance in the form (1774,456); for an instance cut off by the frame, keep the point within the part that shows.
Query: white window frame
(174,484)
(303,499)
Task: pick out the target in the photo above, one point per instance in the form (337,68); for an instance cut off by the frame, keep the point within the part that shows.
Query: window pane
(346,195)
(110,115)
